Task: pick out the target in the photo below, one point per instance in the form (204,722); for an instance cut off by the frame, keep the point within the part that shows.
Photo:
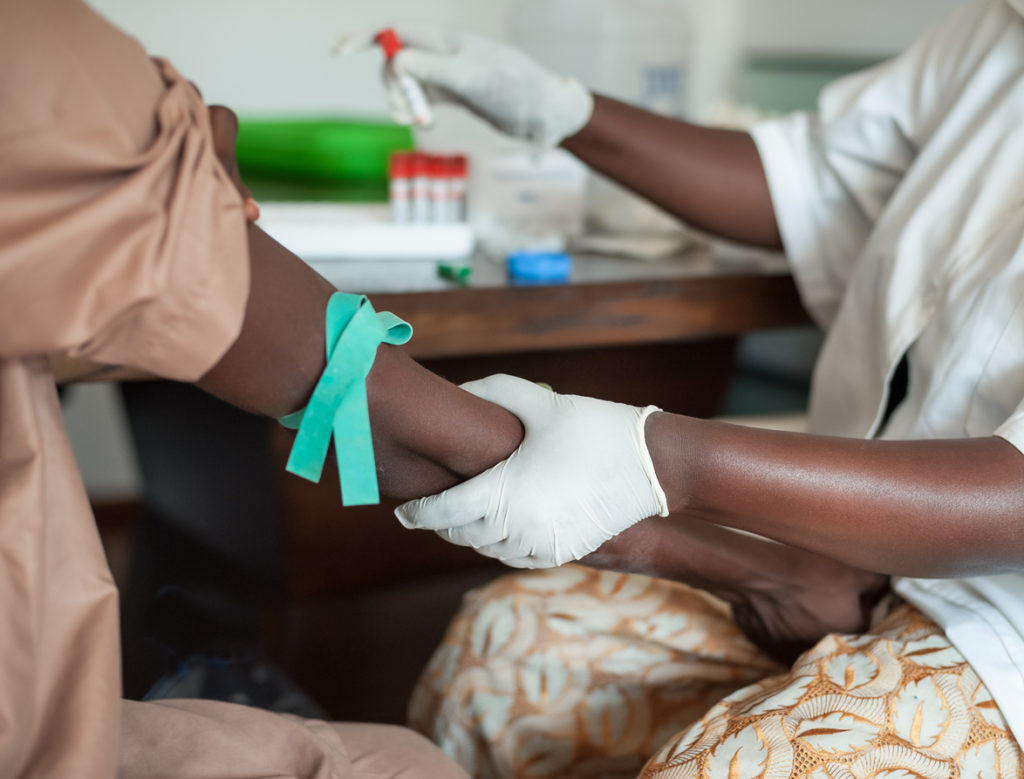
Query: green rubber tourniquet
(338,404)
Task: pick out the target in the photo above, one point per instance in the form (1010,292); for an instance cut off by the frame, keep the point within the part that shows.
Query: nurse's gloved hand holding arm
(581,477)
(911,508)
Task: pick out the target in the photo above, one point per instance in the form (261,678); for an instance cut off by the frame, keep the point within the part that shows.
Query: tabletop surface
(607,301)
(414,276)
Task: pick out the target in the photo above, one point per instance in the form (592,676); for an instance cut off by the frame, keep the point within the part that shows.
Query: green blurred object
(458,273)
(318,159)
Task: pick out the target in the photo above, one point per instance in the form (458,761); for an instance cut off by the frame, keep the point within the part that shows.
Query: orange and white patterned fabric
(572,672)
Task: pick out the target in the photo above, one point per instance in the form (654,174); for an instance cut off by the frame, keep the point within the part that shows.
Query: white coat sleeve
(832,172)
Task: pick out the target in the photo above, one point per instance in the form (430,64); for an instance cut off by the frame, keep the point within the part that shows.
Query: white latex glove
(581,476)
(493,80)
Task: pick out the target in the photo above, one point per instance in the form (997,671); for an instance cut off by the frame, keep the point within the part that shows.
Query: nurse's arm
(950,508)
(710,178)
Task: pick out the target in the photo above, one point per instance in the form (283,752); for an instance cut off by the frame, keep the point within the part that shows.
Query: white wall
(269,56)
(273,55)
(839,27)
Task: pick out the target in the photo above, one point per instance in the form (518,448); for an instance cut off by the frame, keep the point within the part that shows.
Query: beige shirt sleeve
(122,240)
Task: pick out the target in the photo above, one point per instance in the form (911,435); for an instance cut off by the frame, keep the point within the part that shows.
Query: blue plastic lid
(539,266)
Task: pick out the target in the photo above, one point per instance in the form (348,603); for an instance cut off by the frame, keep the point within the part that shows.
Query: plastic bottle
(420,175)
(438,171)
(637,51)
(459,187)
(408,102)
(400,187)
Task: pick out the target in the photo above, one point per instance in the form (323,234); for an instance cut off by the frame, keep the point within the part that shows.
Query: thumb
(224,128)
(460,505)
(519,396)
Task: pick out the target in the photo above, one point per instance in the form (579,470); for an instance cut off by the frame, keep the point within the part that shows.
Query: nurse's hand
(493,80)
(581,476)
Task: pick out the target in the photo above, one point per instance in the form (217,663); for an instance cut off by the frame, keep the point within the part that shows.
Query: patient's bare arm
(428,433)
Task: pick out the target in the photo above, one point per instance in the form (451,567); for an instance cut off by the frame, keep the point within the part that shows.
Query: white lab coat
(901,207)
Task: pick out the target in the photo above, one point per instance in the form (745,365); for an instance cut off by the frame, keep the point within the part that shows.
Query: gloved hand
(581,476)
(493,80)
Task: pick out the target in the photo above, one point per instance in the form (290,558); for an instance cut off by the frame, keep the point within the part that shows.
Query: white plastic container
(523,198)
(344,232)
(637,51)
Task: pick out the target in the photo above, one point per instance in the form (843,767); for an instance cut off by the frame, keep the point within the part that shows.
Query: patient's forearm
(428,433)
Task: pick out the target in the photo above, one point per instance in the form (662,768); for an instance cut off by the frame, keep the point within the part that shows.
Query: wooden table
(607,302)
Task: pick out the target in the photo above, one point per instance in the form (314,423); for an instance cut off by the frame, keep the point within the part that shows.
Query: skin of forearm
(428,433)
(274,364)
(727,564)
(712,179)
(948,508)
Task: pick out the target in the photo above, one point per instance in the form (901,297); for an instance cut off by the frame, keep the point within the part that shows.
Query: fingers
(505,550)
(455,507)
(527,562)
(251,208)
(224,126)
(477,535)
(514,555)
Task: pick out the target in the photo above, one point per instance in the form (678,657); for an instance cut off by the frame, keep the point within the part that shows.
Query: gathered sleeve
(122,238)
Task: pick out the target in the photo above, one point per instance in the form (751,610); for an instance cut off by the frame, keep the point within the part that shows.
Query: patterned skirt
(573,672)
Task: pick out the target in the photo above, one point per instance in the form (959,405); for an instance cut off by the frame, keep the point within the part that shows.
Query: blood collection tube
(409,104)
(459,187)
(400,186)
(420,170)
(438,190)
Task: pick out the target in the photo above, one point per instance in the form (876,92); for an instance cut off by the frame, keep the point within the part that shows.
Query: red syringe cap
(388,40)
